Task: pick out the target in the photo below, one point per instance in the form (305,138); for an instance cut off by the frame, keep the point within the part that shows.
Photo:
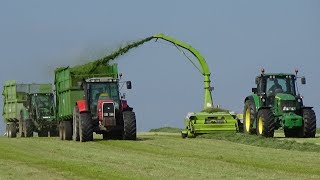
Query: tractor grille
(288,103)
(108,109)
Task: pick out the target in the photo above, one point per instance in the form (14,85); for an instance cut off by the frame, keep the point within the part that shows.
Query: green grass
(276,143)
(167,130)
(154,156)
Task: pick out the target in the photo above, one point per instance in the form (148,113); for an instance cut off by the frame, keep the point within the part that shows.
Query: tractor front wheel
(129,126)
(265,123)
(27,128)
(249,116)
(85,127)
(309,123)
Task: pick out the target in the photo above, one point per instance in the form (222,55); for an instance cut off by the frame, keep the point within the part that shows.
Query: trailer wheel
(249,116)
(130,126)
(21,128)
(86,129)
(67,130)
(265,123)
(76,117)
(7,130)
(61,130)
(27,128)
(309,123)
(12,130)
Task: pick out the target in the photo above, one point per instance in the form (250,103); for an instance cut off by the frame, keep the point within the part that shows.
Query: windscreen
(281,84)
(44,104)
(109,91)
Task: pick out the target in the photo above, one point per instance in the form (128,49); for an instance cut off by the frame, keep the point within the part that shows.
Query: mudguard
(82,105)
(255,98)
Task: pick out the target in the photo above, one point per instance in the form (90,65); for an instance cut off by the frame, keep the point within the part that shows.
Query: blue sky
(237,38)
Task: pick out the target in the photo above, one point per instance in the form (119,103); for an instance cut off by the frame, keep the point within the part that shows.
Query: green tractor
(277,104)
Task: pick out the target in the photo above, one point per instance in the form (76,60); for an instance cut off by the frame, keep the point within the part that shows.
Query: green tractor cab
(277,104)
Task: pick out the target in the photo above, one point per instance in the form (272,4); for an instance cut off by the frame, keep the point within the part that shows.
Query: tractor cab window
(44,104)
(107,90)
(283,84)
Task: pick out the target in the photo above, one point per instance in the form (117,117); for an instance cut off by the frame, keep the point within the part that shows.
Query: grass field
(159,155)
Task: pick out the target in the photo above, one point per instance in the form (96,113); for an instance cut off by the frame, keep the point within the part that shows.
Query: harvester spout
(208,103)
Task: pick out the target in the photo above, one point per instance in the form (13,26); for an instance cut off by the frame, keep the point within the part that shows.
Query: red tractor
(103,111)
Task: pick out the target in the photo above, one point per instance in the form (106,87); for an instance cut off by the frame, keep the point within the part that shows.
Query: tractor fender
(254,98)
(264,107)
(82,105)
(124,104)
(306,107)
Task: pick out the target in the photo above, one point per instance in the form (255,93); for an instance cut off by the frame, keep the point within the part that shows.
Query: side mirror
(211,89)
(254,90)
(303,80)
(129,85)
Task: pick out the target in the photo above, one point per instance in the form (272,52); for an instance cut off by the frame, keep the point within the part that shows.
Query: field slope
(155,155)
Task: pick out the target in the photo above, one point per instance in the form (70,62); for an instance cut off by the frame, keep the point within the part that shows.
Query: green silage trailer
(28,108)
(88,100)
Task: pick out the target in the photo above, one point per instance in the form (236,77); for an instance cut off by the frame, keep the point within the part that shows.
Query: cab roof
(278,74)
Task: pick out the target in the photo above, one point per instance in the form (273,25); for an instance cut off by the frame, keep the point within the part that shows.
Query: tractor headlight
(289,108)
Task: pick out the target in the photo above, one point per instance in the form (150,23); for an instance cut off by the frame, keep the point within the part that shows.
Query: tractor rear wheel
(27,128)
(12,130)
(67,130)
(130,126)
(265,123)
(309,123)
(249,116)
(85,127)
(76,117)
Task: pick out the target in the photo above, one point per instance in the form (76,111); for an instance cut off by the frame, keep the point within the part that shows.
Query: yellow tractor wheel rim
(248,120)
(260,125)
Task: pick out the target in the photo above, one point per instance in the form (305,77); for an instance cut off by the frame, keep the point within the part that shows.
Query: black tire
(7,130)
(21,124)
(85,127)
(12,130)
(28,128)
(61,127)
(309,123)
(184,135)
(67,130)
(130,126)
(54,131)
(265,123)
(249,117)
(43,133)
(75,124)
